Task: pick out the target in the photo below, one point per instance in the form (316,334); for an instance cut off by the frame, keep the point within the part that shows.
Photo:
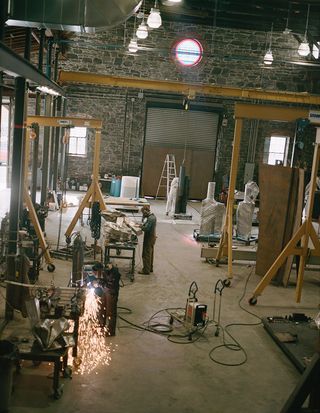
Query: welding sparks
(92,349)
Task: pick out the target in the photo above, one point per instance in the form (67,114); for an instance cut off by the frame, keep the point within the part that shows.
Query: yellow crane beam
(65,121)
(187,89)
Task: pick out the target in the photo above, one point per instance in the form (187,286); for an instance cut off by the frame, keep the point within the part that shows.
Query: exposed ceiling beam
(62,122)
(267,112)
(187,89)
(14,65)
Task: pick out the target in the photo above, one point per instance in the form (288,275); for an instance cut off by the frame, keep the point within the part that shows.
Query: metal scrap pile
(119,228)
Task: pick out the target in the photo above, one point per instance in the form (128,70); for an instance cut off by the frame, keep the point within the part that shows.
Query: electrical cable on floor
(163,328)
(143,327)
(199,330)
(235,346)
(166,329)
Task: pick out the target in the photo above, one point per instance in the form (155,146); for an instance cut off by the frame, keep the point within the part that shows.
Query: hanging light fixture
(287,30)
(133,45)
(304,48)
(174,1)
(142,31)
(154,19)
(315,50)
(268,57)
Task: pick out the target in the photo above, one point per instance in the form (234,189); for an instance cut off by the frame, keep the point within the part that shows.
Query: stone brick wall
(231,58)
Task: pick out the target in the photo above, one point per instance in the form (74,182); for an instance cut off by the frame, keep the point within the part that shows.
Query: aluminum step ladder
(168,173)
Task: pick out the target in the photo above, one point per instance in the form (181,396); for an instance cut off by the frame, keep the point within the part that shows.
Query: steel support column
(56,131)
(57,135)
(45,154)
(16,190)
(35,148)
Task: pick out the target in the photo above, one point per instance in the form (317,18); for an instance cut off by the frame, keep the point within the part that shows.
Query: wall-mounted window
(78,141)
(188,52)
(276,150)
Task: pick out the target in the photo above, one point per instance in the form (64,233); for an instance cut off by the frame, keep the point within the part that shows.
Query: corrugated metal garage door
(190,136)
(176,128)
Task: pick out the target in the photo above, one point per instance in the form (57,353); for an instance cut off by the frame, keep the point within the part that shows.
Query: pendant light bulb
(142,31)
(268,58)
(304,48)
(315,50)
(154,19)
(133,45)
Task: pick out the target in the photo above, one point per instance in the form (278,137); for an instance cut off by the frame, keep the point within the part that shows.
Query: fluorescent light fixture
(46,89)
(174,1)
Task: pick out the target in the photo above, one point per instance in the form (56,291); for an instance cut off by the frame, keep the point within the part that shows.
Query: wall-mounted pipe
(124,132)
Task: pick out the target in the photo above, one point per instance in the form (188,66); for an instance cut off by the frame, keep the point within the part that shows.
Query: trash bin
(8,356)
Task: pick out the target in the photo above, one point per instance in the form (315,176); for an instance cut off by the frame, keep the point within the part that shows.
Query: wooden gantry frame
(305,231)
(299,243)
(94,192)
(242,111)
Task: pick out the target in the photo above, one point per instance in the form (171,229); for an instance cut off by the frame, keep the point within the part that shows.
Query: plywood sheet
(274,184)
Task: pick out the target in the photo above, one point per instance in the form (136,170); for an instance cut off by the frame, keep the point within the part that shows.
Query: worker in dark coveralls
(108,291)
(149,228)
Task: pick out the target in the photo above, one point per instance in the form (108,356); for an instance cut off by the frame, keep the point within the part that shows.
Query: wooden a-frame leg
(37,227)
(288,250)
(315,241)
(84,204)
(99,197)
(223,240)
(230,230)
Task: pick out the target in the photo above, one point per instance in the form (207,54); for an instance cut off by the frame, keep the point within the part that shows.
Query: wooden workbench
(113,200)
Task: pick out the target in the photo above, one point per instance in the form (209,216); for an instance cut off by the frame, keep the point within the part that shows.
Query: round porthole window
(188,52)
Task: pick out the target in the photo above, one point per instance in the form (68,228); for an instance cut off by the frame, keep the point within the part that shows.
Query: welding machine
(196,313)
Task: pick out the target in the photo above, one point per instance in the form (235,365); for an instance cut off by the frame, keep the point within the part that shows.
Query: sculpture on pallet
(212,213)
(245,211)
(172,197)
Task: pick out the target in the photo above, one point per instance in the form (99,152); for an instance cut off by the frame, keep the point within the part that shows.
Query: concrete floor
(150,374)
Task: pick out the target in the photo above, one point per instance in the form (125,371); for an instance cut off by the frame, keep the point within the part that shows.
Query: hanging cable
(95,220)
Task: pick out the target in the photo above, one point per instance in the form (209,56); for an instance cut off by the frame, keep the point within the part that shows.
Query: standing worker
(149,228)
(111,276)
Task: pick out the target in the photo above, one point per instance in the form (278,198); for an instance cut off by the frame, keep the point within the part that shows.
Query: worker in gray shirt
(149,228)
